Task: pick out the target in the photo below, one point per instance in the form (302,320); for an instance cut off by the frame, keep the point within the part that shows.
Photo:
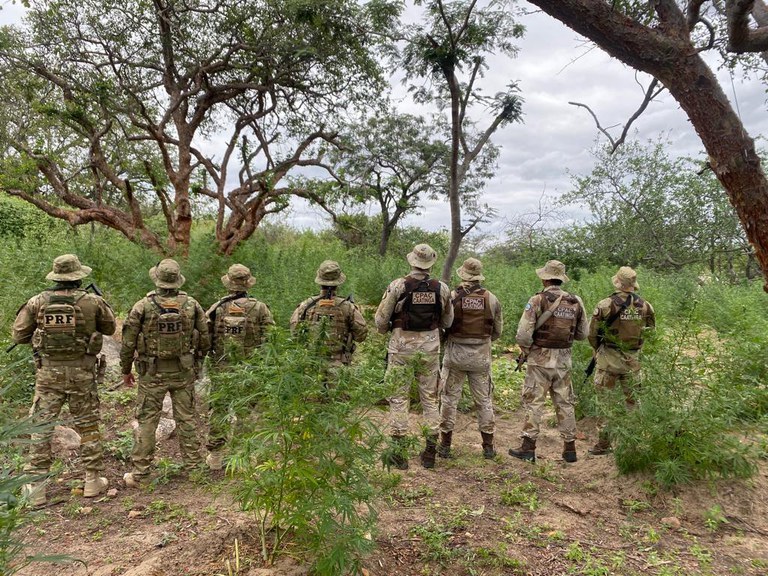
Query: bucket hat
(552,270)
(167,274)
(471,270)
(625,278)
(238,278)
(422,256)
(67,268)
(329,274)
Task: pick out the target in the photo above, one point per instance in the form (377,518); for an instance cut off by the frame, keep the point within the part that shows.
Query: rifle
(94,288)
(522,359)
(11,347)
(591,366)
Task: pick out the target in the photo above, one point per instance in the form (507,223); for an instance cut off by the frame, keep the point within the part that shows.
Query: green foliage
(517,494)
(304,459)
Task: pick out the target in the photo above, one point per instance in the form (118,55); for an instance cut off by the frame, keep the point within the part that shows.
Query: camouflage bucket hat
(471,270)
(238,278)
(422,256)
(67,268)
(330,274)
(167,274)
(553,270)
(625,279)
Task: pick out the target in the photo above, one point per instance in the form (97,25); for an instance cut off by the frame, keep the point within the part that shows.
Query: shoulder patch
(528,306)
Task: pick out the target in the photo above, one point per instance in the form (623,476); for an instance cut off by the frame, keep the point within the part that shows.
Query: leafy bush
(304,451)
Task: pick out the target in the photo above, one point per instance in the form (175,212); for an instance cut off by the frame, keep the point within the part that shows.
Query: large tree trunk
(454,200)
(667,53)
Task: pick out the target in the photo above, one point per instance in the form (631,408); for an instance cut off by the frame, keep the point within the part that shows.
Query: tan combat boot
(94,484)
(34,494)
(215,460)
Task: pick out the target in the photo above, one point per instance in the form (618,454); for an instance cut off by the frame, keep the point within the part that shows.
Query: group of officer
(167,334)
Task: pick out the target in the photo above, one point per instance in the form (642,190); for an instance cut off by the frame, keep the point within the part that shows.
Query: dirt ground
(468,516)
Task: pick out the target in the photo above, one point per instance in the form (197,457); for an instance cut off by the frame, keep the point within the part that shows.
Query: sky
(538,157)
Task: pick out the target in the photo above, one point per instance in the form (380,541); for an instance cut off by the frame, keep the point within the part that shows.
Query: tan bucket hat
(625,279)
(330,274)
(553,270)
(238,278)
(167,274)
(471,270)
(422,256)
(67,268)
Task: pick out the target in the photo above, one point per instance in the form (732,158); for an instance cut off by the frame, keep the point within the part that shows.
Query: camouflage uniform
(617,347)
(346,324)
(164,334)
(477,321)
(417,348)
(547,346)
(237,325)
(65,325)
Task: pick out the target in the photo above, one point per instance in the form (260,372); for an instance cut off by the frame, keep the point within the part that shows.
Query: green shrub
(304,451)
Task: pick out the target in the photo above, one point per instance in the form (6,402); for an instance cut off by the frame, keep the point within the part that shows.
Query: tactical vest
(168,326)
(626,331)
(329,311)
(61,332)
(560,328)
(472,314)
(236,325)
(421,305)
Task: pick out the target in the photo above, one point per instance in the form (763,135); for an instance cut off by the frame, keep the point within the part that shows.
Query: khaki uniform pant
(480,386)
(401,370)
(555,382)
(152,390)
(605,380)
(55,386)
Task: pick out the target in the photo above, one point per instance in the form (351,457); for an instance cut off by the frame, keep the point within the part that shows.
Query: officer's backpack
(421,305)
(61,332)
(168,332)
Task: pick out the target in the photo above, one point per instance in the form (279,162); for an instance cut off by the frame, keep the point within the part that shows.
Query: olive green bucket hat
(167,274)
(329,274)
(67,268)
(552,270)
(238,278)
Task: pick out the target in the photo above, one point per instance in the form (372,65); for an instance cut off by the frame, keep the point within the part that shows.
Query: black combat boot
(527,451)
(428,456)
(444,449)
(569,451)
(488,451)
(396,455)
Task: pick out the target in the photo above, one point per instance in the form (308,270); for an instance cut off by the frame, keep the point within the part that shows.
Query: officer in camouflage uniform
(65,325)
(616,334)
(165,334)
(345,323)
(477,320)
(415,309)
(550,323)
(237,324)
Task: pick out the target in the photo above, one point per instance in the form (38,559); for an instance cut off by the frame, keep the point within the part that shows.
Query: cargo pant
(401,370)
(555,382)
(480,386)
(75,386)
(605,380)
(152,390)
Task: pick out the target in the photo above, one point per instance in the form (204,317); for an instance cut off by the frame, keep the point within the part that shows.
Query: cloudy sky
(555,66)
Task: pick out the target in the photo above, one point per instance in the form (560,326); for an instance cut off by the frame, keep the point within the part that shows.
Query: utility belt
(623,347)
(87,361)
(151,365)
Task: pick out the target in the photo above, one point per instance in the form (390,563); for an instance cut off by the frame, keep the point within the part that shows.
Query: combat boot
(427,457)
(569,451)
(444,449)
(396,455)
(94,484)
(34,494)
(133,480)
(527,450)
(602,447)
(215,460)
(488,451)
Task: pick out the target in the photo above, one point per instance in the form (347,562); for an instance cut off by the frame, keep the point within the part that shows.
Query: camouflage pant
(605,380)
(402,369)
(75,386)
(480,386)
(152,390)
(539,382)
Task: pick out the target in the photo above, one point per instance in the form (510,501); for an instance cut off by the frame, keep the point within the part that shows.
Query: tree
(648,208)
(453,41)
(391,160)
(121,105)
(658,38)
